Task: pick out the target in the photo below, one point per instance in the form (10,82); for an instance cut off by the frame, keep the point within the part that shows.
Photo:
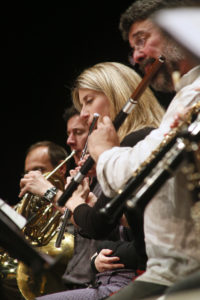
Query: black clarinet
(164,170)
(61,231)
(113,208)
(182,151)
(174,151)
(125,111)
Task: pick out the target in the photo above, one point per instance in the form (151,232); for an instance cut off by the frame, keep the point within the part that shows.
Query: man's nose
(138,56)
(71,140)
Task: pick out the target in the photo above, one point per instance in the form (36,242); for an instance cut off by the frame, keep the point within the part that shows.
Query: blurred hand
(92,171)
(104,262)
(102,138)
(35,183)
(91,199)
(79,196)
(181,116)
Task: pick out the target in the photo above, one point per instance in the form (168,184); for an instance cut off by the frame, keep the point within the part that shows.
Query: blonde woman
(104,89)
(115,82)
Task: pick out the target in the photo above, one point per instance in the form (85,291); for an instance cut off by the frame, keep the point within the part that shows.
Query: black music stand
(44,268)
(13,241)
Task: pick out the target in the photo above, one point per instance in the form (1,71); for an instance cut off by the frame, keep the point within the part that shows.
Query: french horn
(41,231)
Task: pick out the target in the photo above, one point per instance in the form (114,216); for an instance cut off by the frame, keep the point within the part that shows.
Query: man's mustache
(144,63)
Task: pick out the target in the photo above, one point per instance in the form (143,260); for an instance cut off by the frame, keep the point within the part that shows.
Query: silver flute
(94,121)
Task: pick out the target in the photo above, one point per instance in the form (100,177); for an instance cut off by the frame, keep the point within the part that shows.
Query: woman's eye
(89,100)
(79,132)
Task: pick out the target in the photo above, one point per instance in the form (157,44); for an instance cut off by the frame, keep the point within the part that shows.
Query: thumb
(106,120)
(106,251)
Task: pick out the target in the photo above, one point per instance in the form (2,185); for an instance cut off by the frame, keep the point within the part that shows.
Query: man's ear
(62,170)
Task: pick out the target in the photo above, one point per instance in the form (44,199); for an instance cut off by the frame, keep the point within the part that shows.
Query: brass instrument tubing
(61,164)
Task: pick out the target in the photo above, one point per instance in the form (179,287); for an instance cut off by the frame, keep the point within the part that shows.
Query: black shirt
(95,225)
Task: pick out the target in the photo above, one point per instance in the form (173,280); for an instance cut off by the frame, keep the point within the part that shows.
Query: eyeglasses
(130,57)
(139,42)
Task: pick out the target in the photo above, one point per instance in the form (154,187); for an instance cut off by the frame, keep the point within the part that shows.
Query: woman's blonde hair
(117,82)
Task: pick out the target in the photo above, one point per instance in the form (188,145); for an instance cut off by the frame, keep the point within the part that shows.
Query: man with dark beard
(170,235)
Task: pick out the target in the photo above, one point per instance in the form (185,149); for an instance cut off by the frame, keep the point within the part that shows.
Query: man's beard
(162,81)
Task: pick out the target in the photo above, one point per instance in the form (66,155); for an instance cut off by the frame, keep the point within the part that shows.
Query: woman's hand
(92,171)
(103,138)
(91,199)
(79,196)
(104,262)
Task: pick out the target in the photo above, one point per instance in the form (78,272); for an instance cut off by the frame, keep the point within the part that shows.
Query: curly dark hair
(143,9)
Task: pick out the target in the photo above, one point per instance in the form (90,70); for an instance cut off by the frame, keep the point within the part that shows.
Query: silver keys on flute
(94,121)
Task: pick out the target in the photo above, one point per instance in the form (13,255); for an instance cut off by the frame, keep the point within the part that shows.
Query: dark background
(45,46)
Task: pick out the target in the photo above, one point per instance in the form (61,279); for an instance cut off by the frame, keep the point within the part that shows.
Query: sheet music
(16,218)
